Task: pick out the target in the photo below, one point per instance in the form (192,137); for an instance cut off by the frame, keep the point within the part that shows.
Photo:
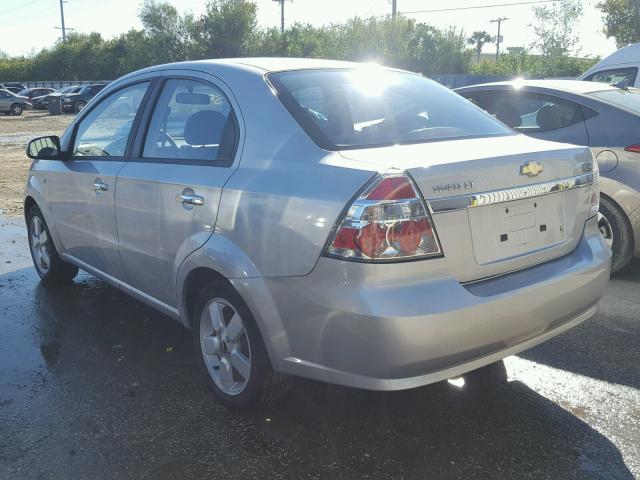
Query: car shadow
(96,384)
(607,346)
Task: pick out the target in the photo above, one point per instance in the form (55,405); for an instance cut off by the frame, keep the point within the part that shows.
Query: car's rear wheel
(616,230)
(46,260)
(79,106)
(231,351)
(16,109)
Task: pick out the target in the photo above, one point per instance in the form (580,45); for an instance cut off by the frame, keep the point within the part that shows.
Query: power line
(476,7)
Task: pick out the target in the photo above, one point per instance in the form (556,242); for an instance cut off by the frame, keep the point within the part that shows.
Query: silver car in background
(603,117)
(13,104)
(342,222)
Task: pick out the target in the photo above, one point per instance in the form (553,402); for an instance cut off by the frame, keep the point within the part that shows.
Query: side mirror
(45,148)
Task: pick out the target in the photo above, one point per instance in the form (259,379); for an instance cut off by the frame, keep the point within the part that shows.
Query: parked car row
(73,98)
(343,222)
(13,87)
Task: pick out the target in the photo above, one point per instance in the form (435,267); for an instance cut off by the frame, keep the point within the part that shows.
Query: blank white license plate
(517,228)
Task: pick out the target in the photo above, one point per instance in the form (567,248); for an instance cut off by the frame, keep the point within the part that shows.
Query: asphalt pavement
(94,384)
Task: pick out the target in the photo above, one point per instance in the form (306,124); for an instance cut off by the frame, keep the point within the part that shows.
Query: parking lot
(14,134)
(94,384)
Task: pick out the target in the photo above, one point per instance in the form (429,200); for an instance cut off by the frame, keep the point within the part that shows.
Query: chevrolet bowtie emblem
(531,169)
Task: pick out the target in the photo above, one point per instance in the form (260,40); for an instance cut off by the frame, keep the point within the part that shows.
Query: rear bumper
(393,327)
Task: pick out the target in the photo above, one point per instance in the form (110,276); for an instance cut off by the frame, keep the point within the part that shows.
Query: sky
(28,25)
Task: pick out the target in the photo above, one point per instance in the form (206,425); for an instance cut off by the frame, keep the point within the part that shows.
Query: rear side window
(481,99)
(192,120)
(614,75)
(529,112)
(105,130)
(626,99)
(369,106)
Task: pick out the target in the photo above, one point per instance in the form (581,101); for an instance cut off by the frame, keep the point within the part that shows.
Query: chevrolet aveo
(342,222)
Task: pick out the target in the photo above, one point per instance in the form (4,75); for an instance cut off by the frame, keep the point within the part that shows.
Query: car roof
(275,64)
(570,86)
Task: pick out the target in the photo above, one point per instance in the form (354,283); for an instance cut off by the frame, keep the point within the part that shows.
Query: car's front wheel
(49,265)
(616,230)
(231,351)
(79,106)
(16,109)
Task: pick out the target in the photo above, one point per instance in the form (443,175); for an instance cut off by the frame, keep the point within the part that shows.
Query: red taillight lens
(371,239)
(392,188)
(633,148)
(388,221)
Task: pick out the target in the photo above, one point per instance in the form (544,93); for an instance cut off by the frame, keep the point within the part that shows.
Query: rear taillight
(595,192)
(633,148)
(387,222)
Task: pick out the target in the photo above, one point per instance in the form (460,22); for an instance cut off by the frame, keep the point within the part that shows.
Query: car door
(5,101)
(81,190)
(541,115)
(169,191)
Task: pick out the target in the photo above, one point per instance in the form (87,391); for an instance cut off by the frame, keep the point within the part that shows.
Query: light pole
(499,21)
(281,15)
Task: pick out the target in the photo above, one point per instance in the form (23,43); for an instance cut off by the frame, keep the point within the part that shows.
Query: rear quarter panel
(279,207)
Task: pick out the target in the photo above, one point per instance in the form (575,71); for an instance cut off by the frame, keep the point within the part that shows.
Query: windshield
(371,106)
(627,99)
(25,92)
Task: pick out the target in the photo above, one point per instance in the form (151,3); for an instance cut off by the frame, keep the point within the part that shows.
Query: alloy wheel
(16,109)
(39,244)
(605,229)
(225,346)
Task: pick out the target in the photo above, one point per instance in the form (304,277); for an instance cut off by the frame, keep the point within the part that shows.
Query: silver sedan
(12,103)
(342,222)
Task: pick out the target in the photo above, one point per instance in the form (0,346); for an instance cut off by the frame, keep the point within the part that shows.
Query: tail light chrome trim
(461,202)
(386,222)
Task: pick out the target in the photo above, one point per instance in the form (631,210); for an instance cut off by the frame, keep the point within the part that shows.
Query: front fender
(35,188)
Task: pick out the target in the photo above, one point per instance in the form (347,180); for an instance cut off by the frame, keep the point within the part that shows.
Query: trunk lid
(494,209)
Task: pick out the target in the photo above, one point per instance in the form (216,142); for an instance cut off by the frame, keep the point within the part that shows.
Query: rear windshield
(368,107)
(627,99)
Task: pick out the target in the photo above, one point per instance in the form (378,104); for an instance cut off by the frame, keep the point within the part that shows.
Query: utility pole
(281,15)
(394,8)
(499,21)
(64,31)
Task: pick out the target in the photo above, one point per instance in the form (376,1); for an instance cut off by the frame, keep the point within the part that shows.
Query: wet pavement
(94,384)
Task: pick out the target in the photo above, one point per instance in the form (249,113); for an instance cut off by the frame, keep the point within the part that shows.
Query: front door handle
(99,186)
(187,199)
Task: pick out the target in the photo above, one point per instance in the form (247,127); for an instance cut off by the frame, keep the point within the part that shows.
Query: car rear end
(468,243)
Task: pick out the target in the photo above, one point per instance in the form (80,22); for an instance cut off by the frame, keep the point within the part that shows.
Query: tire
(616,229)
(220,346)
(50,267)
(16,109)
(78,106)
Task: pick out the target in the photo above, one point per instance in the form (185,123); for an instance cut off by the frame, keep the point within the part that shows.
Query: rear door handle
(187,199)
(100,187)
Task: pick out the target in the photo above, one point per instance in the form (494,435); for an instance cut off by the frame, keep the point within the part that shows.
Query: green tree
(555,32)
(621,20)
(478,39)
(170,34)
(226,29)
(555,28)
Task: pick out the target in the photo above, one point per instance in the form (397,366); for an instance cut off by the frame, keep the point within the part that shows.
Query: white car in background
(618,67)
